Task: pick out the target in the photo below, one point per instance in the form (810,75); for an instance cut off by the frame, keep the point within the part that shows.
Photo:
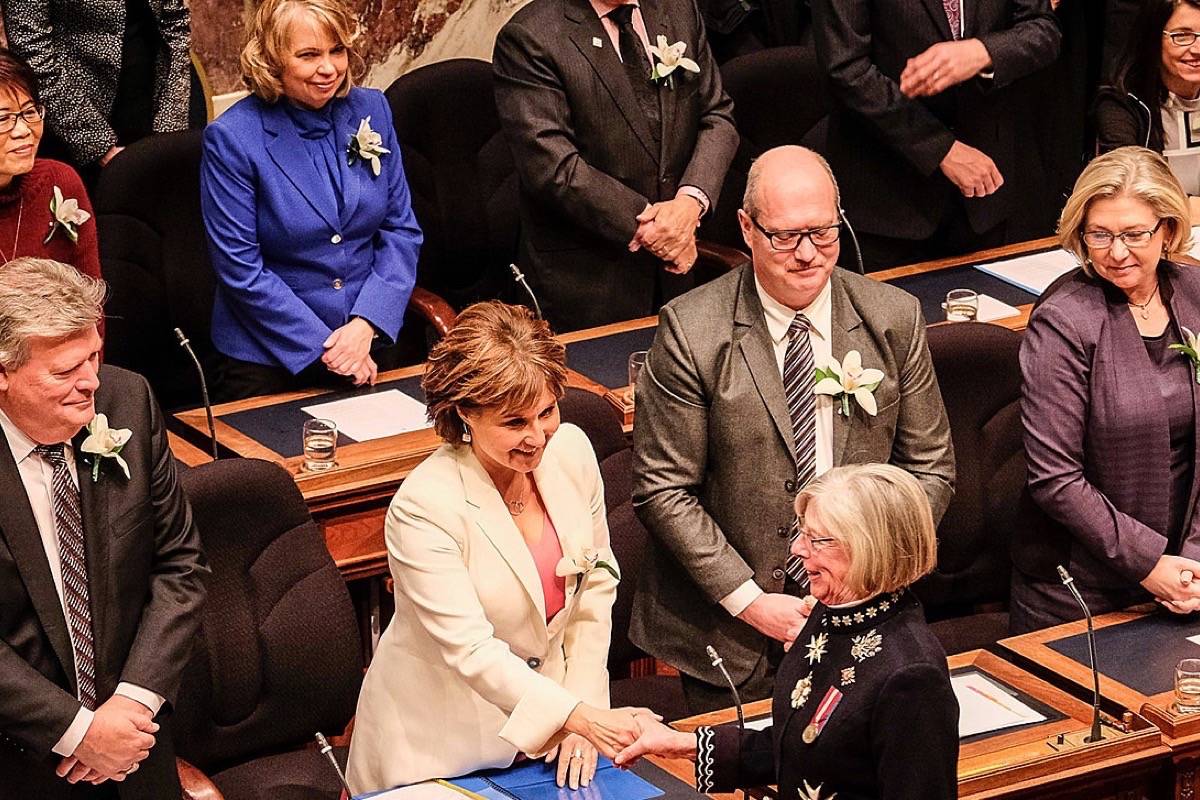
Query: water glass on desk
(637,360)
(962,305)
(1187,686)
(320,445)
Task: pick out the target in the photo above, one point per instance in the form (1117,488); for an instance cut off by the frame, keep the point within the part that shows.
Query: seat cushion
(300,775)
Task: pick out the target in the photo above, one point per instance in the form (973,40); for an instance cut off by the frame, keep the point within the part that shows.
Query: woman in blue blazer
(312,235)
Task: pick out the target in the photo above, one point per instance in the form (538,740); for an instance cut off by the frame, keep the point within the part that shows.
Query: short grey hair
(40,298)
(750,196)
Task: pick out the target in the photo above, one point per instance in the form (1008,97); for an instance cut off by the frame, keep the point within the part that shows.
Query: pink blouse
(546,555)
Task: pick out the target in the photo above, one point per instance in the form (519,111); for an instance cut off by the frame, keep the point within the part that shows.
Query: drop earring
(466,434)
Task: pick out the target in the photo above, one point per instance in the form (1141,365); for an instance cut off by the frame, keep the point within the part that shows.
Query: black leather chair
(154,255)
(967,596)
(633,681)
(278,656)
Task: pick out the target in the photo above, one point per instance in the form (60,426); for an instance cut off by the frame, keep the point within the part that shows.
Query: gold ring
(577,754)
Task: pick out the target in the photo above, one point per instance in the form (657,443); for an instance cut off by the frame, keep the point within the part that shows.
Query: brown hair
(262,57)
(496,355)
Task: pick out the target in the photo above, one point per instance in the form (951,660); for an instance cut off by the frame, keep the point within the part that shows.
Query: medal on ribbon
(821,716)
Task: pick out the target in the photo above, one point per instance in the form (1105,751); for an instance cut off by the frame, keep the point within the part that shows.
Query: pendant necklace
(517,507)
(17,235)
(1143,311)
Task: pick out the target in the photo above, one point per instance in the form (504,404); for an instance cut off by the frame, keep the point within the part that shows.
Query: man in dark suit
(730,426)
(100,563)
(616,168)
(924,137)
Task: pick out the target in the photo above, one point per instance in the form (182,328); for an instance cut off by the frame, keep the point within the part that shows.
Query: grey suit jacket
(74,47)
(714,476)
(586,157)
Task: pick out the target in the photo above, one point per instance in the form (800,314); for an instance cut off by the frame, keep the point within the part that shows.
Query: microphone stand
(186,344)
(327,751)
(1096,735)
(719,663)
(519,277)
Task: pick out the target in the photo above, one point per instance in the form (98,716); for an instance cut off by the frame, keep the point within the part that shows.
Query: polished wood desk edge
(185,451)
(969,259)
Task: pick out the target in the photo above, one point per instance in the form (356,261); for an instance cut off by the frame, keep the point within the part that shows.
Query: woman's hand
(348,351)
(610,730)
(657,739)
(576,761)
(1173,583)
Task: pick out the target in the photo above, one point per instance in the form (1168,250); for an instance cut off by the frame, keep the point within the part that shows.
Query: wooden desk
(1022,763)
(1180,732)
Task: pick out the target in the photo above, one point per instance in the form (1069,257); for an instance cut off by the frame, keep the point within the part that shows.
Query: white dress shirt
(38,476)
(779,318)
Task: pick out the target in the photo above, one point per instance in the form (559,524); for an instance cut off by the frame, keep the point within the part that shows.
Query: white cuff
(697,194)
(740,598)
(146,697)
(78,728)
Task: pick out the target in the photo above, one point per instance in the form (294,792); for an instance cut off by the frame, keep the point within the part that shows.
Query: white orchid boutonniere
(67,215)
(668,58)
(848,379)
(581,566)
(104,442)
(1191,350)
(367,145)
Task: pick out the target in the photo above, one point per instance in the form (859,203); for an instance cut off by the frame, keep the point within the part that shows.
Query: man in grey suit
(721,447)
(616,167)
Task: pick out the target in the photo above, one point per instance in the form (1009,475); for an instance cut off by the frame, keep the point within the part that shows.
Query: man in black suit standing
(924,138)
(616,167)
(100,563)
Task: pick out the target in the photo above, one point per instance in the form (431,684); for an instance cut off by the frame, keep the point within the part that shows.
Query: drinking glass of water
(637,360)
(1187,686)
(320,444)
(962,305)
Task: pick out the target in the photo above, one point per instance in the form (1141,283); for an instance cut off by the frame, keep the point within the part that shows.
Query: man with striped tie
(100,563)
(731,424)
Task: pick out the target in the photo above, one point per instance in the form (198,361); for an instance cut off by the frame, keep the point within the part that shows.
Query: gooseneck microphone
(719,663)
(853,238)
(186,344)
(519,277)
(327,750)
(1069,582)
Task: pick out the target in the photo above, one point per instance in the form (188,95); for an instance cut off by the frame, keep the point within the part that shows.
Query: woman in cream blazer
(470,673)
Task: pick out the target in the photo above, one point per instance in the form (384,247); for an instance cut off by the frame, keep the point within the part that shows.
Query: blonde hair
(40,298)
(881,516)
(1127,172)
(495,356)
(266,48)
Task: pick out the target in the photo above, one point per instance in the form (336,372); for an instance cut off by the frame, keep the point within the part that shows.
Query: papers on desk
(760,724)
(530,780)
(985,706)
(1034,273)
(373,416)
(432,790)
(991,309)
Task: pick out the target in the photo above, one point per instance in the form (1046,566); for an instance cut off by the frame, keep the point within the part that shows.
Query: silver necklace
(1144,312)
(517,507)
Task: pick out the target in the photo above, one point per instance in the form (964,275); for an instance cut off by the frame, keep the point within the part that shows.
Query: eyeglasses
(1182,38)
(31,114)
(815,543)
(1102,240)
(788,241)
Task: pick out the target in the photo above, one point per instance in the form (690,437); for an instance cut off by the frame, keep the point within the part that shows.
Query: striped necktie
(68,523)
(798,376)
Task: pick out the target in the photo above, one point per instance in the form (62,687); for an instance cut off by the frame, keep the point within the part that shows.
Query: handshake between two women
(621,734)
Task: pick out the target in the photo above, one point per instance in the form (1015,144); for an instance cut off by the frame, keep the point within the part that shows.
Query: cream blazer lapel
(572,522)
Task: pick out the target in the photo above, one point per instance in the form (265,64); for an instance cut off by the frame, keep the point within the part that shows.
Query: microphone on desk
(1069,582)
(719,663)
(519,277)
(327,750)
(186,344)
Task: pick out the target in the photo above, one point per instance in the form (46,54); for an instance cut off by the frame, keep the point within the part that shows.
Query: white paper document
(373,416)
(984,706)
(1033,273)
(431,790)
(760,724)
(991,309)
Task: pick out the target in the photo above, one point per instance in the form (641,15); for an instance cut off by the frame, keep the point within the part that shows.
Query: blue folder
(535,780)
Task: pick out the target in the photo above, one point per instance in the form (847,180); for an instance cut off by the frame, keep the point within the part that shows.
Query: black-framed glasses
(31,114)
(788,241)
(1184,38)
(1102,240)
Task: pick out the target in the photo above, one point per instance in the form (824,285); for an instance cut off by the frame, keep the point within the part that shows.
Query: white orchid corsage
(847,379)
(104,442)
(582,565)
(66,214)
(668,58)
(1191,350)
(367,145)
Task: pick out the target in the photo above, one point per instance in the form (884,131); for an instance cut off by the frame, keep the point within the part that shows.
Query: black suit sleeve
(536,117)
(908,767)
(1117,122)
(727,760)
(717,138)
(34,711)
(170,614)
(1029,43)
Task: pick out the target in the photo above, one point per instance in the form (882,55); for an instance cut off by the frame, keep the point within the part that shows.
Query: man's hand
(777,615)
(1175,583)
(110,154)
(119,738)
(971,170)
(348,351)
(943,65)
(668,229)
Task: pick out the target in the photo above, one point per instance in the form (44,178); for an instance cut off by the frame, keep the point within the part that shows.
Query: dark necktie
(68,522)
(798,376)
(633,58)
(954,16)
